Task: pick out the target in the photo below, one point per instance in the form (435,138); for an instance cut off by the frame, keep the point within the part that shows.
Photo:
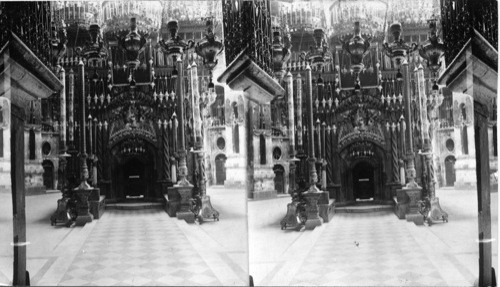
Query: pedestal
(185,193)
(312,210)
(414,195)
(82,206)
(401,203)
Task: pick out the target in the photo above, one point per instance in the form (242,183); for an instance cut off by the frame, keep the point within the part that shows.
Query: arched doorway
(363,180)
(279,178)
(134,178)
(134,171)
(449,167)
(48,174)
(220,169)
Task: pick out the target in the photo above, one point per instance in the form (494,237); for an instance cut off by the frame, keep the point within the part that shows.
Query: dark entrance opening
(449,166)
(220,169)
(134,178)
(48,174)
(363,177)
(279,179)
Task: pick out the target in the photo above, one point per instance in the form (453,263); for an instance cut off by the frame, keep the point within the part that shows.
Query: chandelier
(412,11)
(299,15)
(178,10)
(116,17)
(79,13)
(370,14)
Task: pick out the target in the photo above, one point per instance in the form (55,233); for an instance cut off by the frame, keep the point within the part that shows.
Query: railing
(31,22)
(247,27)
(460,17)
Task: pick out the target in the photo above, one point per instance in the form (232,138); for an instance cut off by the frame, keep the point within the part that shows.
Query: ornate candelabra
(317,57)
(174,48)
(208,48)
(432,51)
(399,51)
(84,189)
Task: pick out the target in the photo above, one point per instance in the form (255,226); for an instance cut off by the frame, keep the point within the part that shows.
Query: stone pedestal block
(326,211)
(178,202)
(312,209)
(95,194)
(82,207)
(171,207)
(416,218)
(259,195)
(97,207)
(400,209)
(414,195)
(188,216)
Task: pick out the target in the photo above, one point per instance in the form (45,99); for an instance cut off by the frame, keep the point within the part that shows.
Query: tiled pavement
(138,247)
(367,249)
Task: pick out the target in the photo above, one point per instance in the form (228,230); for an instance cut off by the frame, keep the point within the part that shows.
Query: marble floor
(369,249)
(134,247)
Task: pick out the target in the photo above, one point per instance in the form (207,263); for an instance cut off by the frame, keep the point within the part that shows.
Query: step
(364,208)
(135,205)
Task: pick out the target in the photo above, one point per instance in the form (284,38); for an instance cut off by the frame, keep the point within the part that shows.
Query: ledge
(477,60)
(245,75)
(22,54)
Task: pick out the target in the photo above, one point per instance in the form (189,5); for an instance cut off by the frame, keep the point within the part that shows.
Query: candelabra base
(62,214)
(295,216)
(207,211)
(436,213)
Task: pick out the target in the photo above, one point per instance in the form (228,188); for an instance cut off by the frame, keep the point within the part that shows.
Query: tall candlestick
(183,170)
(84,172)
(299,111)
(291,115)
(411,172)
(71,81)
(62,118)
(90,136)
(195,96)
(313,176)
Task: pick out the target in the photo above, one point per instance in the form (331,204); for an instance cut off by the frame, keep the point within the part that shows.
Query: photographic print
(249,143)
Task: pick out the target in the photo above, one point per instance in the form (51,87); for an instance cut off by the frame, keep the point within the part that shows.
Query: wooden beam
(483,193)
(20,277)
